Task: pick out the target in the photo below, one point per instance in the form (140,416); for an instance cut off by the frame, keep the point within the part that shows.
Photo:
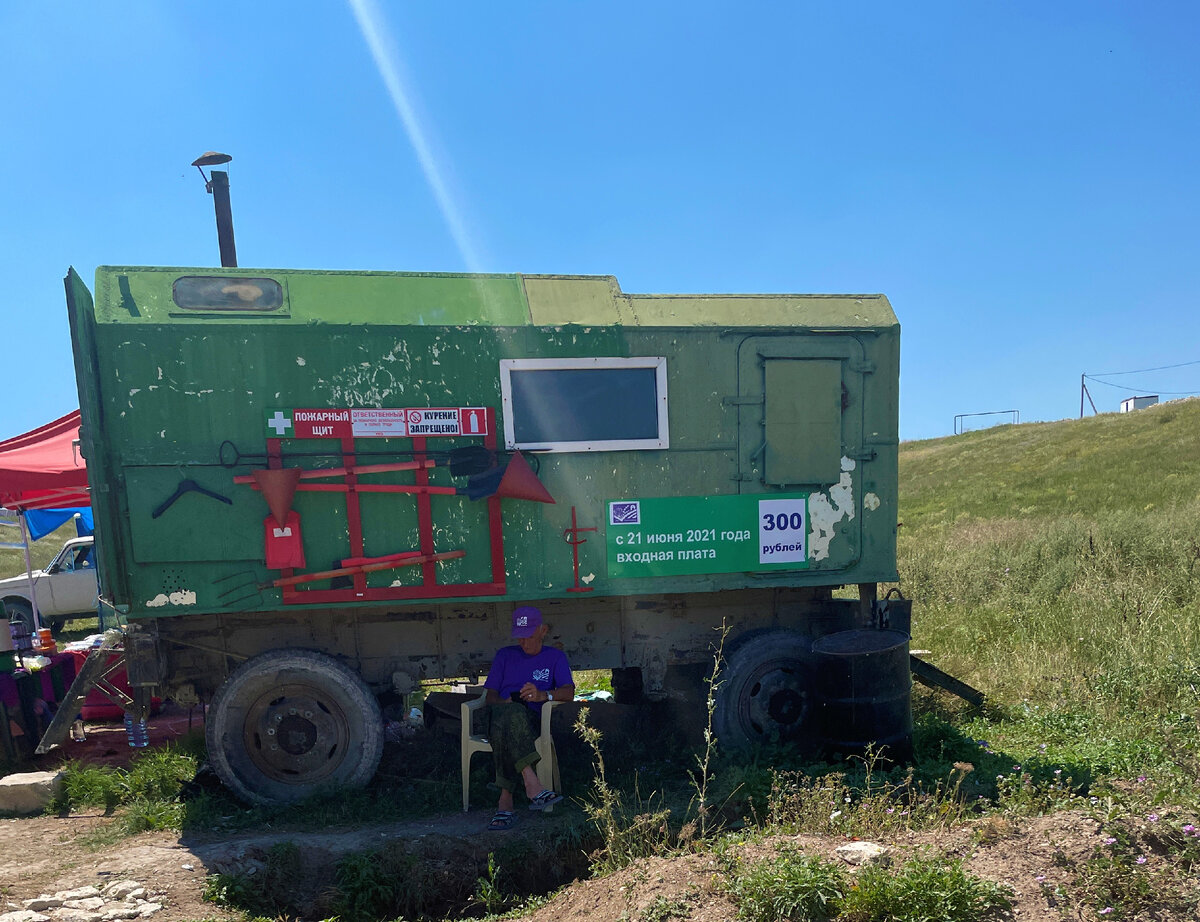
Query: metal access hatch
(801,429)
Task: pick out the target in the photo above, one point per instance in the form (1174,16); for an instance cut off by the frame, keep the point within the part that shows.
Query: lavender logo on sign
(625,513)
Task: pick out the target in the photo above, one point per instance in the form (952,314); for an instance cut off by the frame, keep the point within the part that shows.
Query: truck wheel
(764,694)
(19,610)
(57,624)
(289,722)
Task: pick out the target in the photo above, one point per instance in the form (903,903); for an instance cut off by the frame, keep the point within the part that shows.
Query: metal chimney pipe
(219,186)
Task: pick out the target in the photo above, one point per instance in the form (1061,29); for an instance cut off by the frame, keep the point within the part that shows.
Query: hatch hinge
(862,367)
(861,454)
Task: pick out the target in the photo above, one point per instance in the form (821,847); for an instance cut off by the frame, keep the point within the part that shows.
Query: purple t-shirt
(512,668)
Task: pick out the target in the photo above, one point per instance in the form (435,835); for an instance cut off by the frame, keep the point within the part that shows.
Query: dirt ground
(45,854)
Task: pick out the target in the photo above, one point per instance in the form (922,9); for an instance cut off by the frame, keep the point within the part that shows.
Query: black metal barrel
(863,692)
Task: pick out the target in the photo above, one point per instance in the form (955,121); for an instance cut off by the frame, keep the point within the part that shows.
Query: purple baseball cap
(526,621)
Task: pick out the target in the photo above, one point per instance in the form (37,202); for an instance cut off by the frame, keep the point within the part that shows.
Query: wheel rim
(772,702)
(296,734)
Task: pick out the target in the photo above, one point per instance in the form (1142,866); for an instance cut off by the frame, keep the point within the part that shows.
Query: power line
(1111,374)
(1135,387)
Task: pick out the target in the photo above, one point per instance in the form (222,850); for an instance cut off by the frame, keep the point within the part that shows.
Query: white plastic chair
(546,768)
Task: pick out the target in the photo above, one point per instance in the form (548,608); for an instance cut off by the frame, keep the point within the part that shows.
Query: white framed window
(585,404)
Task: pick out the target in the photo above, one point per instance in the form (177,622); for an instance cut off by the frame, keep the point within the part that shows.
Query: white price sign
(782,530)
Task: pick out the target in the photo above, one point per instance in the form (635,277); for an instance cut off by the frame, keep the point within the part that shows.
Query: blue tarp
(43,521)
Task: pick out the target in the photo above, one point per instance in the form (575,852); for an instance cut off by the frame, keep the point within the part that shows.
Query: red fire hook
(570,535)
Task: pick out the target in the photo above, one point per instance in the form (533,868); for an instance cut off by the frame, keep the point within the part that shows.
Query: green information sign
(684,535)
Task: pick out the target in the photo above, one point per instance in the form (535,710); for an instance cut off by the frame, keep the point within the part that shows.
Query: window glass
(204,293)
(608,404)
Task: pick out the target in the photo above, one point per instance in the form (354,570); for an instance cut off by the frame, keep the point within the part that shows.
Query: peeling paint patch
(871,501)
(300,361)
(183,597)
(825,511)
(134,390)
(586,580)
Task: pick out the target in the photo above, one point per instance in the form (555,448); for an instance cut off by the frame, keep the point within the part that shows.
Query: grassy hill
(42,551)
(1057,567)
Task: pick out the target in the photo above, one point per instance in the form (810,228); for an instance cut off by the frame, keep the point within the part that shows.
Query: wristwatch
(549,694)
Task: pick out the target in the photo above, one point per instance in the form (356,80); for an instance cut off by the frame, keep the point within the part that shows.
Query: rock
(79,893)
(38,903)
(865,854)
(24,915)
(113,912)
(28,792)
(123,889)
(76,915)
(91,903)
(147,909)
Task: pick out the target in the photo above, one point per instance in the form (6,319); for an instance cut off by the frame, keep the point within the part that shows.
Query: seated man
(522,678)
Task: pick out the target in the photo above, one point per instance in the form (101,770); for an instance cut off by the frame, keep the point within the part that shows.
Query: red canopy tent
(42,469)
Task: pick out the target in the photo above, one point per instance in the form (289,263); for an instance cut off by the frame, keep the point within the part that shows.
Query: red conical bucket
(520,482)
(278,486)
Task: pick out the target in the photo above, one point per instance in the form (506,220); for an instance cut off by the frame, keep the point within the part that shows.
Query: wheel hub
(296,734)
(785,706)
(774,702)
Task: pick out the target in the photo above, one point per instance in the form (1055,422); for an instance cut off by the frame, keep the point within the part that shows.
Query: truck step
(94,674)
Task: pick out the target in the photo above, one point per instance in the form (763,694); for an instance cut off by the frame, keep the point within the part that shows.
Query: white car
(65,589)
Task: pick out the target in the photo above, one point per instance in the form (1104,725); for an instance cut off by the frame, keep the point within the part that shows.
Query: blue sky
(1020,178)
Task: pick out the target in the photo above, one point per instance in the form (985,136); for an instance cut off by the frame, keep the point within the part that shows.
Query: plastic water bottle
(135,731)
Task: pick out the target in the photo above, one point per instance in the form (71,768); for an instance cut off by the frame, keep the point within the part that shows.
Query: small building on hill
(1129,404)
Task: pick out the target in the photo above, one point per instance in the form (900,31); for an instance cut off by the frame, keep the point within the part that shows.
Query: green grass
(1056,566)
(792,886)
(801,888)
(146,795)
(41,552)
(923,889)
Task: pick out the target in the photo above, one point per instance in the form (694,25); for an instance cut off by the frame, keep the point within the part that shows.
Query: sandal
(547,798)
(503,819)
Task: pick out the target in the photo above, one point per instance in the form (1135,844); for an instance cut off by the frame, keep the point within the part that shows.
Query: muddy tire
(765,693)
(288,723)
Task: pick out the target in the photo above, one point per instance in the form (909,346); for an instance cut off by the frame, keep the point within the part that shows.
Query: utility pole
(1084,392)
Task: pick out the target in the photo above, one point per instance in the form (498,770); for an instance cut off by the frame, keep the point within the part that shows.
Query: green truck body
(711,459)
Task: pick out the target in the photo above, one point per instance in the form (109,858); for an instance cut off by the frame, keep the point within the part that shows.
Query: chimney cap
(211,158)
